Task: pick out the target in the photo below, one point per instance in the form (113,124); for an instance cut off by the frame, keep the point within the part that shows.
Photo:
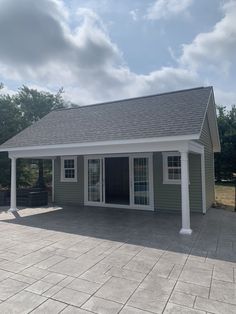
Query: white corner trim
(63,179)
(203,177)
(166,180)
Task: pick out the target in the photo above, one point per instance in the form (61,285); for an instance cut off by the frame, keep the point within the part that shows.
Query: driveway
(94,260)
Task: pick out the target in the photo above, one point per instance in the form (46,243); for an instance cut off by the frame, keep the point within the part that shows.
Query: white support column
(185,194)
(13,207)
(203,175)
(53,180)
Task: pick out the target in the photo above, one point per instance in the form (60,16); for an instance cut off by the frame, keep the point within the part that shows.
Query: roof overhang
(174,143)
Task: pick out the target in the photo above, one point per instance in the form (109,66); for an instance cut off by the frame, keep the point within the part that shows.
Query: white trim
(63,179)
(151,193)
(53,180)
(101,143)
(86,201)
(150,177)
(102,191)
(165,156)
(203,176)
(216,148)
(104,150)
(213,126)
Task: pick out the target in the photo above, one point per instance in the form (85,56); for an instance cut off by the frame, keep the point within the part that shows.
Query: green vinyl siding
(205,140)
(69,193)
(195,186)
(168,196)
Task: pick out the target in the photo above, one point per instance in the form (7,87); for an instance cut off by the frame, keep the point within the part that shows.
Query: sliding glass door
(119,181)
(141,188)
(94,184)
(117,187)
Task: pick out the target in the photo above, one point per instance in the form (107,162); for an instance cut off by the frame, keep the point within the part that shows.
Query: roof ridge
(132,98)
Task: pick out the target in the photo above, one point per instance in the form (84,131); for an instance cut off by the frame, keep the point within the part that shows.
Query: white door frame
(86,201)
(131,187)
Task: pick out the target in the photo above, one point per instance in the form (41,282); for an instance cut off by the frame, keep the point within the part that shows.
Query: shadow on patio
(214,234)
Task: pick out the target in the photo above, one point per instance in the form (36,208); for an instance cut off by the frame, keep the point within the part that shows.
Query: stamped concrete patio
(93,260)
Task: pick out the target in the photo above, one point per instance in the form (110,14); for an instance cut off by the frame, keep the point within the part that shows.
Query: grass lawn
(225,196)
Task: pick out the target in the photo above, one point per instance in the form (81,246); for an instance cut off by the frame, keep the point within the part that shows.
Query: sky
(101,50)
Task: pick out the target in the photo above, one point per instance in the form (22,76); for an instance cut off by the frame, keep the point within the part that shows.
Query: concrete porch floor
(96,260)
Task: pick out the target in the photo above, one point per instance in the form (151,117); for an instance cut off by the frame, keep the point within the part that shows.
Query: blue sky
(105,50)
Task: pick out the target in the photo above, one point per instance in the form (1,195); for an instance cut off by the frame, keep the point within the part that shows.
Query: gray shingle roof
(169,114)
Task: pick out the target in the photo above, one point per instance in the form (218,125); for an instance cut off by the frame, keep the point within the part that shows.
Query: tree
(34,105)
(225,161)
(18,112)
(10,124)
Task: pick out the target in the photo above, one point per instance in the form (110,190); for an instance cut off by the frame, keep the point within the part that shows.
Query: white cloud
(224,98)
(216,49)
(134,14)
(165,9)
(83,59)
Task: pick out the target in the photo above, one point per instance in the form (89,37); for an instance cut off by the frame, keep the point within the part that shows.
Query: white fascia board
(217,146)
(206,110)
(101,143)
(103,149)
(212,123)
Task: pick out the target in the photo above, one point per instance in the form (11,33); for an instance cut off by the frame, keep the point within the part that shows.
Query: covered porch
(130,149)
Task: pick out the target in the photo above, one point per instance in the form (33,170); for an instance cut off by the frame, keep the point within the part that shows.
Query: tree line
(225,161)
(28,105)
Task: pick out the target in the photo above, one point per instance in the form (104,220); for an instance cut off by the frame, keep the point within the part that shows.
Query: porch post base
(12,210)
(186,231)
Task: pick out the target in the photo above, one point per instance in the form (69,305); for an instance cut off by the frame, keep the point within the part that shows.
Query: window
(171,168)
(69,169)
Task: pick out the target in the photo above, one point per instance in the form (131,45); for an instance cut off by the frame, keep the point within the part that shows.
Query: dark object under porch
(32,197)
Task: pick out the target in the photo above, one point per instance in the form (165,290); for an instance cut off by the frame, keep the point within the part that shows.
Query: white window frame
(166,179)
(63,179)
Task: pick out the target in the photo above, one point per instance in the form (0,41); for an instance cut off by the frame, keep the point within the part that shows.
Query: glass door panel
(94,180)
(141,184)
(117,188)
